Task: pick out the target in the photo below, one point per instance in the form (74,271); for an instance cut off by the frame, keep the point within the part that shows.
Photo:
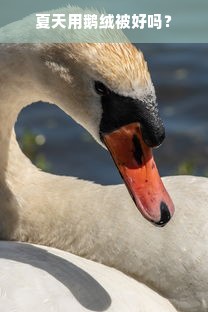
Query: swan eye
(100,88)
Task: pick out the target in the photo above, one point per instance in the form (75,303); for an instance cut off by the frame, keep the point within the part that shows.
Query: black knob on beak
(153,134)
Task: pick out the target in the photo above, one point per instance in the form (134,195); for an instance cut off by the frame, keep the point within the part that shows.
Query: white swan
(94,221)
(37,278)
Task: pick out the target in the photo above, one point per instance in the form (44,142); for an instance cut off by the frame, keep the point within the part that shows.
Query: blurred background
(55,143)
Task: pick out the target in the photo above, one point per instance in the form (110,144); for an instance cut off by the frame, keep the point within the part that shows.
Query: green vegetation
(30,144)
(189,167)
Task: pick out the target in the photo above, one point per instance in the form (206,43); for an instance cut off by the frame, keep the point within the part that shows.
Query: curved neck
(30,73)
(34,72)
(29,197)
(37,206)
(19,87)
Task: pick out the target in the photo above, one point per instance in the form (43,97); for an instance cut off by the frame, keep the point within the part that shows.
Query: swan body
(46,279)
(93,221)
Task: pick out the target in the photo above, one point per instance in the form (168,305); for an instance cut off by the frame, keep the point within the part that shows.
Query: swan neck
(19,87)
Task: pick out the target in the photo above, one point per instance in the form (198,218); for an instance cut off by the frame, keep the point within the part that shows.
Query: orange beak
(136,165)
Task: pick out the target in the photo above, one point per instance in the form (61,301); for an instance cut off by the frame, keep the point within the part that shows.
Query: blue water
(180,76)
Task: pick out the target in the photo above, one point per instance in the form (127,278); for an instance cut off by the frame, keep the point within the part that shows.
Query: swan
(98,222)
(38,278)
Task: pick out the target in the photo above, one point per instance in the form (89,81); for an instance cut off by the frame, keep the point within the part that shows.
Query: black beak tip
(165,215)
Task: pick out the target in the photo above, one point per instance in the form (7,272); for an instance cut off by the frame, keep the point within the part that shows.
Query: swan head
(112,74)
(114,99)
